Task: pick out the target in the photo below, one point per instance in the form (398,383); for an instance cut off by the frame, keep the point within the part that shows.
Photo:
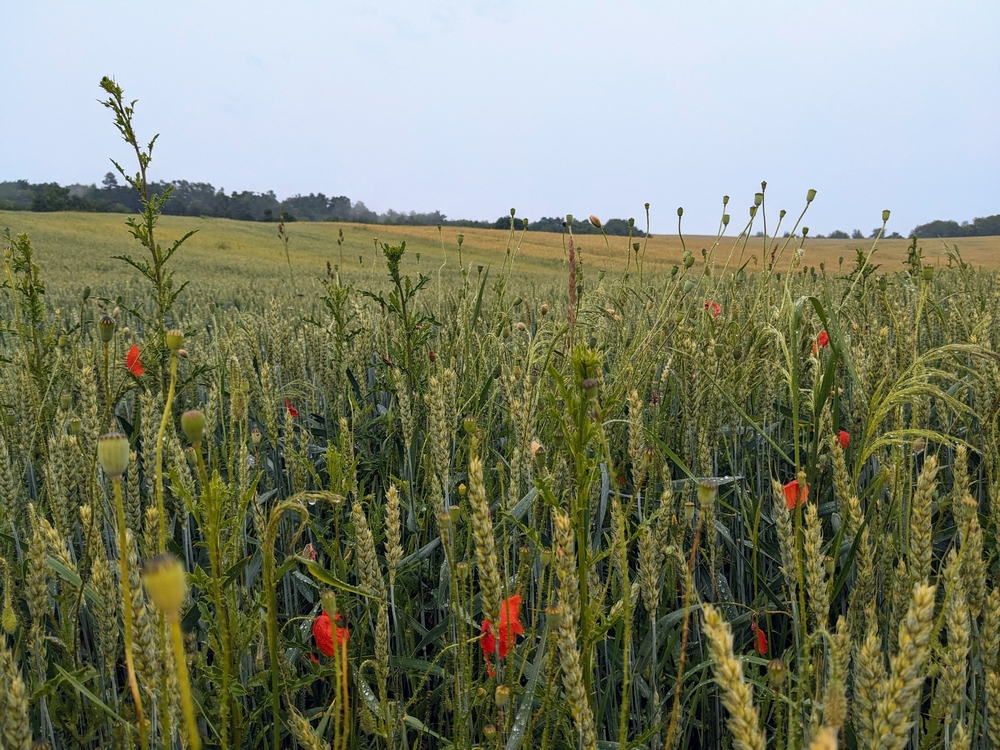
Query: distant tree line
(980,227)
(202,199)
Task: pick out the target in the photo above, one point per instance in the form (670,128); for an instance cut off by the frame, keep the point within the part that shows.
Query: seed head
(595,221)
(544,309)
(758,198)
(885,216)
(502,696)
(106,327)
(175,339)
(166,584)
(113,453)
(255,436)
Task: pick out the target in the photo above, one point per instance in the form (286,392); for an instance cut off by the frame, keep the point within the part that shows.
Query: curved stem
(127,602)
(194,739)
(162,539)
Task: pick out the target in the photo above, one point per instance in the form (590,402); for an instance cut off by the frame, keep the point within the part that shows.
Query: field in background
(77,247)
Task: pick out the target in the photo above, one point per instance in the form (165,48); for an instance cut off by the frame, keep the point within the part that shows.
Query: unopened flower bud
(113,453)
(193,423)
(544,310)
(689,261)
(190,456)
(590,388)
(166,585)
(86,293)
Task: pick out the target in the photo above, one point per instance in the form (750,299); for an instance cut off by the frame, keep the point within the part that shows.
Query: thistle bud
(502,696)
(758,198)
(810,195)
(193,423)
(175,339)
(885,216)
(166,585)
(106,327)
(112,453)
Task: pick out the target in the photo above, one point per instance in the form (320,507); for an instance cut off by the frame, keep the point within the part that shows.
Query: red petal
(291,409)
(795,495)
(323,633)
(824,338)
(844,437)
(132,361)
(761,640)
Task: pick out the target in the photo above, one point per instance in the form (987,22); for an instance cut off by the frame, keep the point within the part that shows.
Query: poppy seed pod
(776,672)
(175,339)
(86,293)
(688,261)
(255,436)
(928,273)
(489,732)
(753,211)
(688,285)
(758,198)
(590,388)
(512,212)
(782,213)
(885,215)
(810,195)
(65,402)
(461,239)
(113,453)
(553,616)
(193,423)
(106,327)
(75,426)
(805,231)
(595,221)
(544,310)
(569,219)
(725,220)
(166,584)
(469,424)
(502,696)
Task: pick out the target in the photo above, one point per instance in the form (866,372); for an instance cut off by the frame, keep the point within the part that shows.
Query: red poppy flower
(132,361)
(510,624)
(291,409)
(793,496)
(823,339)
(760,641)
(716,308)
(323,632)
(843,437)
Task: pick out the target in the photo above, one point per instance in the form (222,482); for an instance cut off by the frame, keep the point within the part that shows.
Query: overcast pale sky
(551,107)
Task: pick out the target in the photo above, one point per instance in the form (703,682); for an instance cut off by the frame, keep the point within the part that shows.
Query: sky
(581,107)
